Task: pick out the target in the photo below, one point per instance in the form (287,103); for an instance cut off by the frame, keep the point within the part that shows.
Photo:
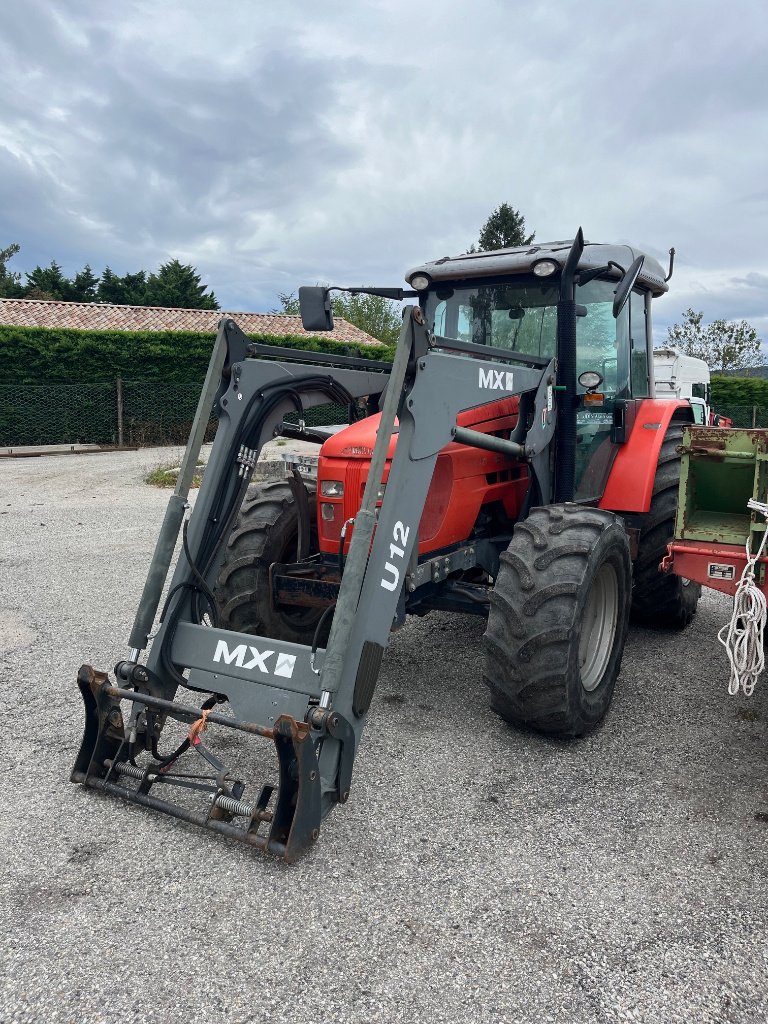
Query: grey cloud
(160,157)
(279,146)
(753,280)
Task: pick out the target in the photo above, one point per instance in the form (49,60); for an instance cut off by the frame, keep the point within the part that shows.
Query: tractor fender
(630,484)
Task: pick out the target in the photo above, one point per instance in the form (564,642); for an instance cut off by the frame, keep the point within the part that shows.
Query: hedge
(739,391)
(45,355)
(58,386)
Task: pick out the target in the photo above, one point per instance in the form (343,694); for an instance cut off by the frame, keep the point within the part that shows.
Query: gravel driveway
(477,874)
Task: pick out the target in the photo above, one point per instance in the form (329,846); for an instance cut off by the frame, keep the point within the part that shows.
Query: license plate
(721,571)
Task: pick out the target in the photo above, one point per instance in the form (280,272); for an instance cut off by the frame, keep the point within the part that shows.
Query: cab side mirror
(315,307)
(625,286)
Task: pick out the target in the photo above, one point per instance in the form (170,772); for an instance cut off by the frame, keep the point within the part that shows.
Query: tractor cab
(511,300)
(510,304)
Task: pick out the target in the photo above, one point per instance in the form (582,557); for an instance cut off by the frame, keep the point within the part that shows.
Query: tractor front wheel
(266,531)
(558,620)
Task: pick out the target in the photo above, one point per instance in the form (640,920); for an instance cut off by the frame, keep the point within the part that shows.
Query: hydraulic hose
(227,502)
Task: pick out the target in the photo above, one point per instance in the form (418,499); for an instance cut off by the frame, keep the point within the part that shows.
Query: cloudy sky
(273,145)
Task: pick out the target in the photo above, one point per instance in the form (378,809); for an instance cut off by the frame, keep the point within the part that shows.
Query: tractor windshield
(520,314)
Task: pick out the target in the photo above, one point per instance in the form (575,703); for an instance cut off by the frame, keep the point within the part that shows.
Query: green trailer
(720,535)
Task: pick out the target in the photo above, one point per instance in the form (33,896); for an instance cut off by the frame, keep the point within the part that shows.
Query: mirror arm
(397,294)
(585,276)
(671,263)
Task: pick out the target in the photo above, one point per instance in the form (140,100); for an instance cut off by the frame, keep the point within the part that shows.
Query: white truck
(680,376)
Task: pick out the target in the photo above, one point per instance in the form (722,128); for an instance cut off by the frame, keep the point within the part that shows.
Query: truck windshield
(520,314)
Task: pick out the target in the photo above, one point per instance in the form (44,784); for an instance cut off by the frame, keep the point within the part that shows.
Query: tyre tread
(532,617)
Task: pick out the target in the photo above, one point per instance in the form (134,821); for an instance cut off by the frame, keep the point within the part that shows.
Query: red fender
(630,484)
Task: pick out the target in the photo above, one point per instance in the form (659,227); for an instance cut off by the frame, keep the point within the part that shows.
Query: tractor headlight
(332,488)
(543,268)
(420,282)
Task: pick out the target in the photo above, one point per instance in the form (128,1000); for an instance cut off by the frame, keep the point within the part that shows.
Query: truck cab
(680,376)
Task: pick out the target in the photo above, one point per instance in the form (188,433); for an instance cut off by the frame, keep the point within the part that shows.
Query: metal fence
(119,413)
(744,415)
(134,413)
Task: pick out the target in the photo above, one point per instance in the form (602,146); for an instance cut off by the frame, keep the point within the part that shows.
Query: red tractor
(514,464)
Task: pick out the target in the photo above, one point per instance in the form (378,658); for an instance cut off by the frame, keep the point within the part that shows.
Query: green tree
(377,316)
(10,282)
(177,286)
(289,304)
(48,283)
(723,345)
(174,284)
(129,290)
(84,286)
(504,229)
(51,283)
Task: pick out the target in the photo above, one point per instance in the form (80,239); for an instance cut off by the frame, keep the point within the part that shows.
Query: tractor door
(617,350)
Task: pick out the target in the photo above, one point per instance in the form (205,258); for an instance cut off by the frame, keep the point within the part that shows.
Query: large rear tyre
(558,620)
(266,531)
(662,599)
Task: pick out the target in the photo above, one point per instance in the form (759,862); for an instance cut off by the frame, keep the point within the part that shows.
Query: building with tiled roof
(102,316)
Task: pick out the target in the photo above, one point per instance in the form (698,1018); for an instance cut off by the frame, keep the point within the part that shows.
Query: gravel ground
(477,874)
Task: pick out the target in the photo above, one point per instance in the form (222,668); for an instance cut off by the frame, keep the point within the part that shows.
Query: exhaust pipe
(565,455)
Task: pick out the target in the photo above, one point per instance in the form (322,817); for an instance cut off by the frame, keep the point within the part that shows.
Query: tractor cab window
(640,376)
(602,342)
(519,314)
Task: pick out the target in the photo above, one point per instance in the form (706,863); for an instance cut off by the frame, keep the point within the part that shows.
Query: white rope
(743,642)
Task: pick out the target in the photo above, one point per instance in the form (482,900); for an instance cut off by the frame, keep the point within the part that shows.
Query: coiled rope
(743,639)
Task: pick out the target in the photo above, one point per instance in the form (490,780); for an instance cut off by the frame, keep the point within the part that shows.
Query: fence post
(754,416)
(120,439)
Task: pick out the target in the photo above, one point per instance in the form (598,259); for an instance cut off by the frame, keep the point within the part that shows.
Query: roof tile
(102,316)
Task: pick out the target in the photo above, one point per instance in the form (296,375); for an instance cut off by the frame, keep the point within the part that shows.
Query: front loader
(514,464)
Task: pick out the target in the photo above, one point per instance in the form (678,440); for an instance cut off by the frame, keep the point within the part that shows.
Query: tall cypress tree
(504,229)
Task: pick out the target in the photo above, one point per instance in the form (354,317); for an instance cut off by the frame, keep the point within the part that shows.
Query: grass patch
(748,714)
(166,476)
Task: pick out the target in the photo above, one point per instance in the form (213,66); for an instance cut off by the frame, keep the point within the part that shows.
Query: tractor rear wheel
(558,619)
(266,531)
(662,599)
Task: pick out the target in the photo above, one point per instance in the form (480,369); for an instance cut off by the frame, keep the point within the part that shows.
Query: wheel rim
(598,627)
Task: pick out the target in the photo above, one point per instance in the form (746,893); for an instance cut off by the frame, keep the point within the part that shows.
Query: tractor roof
(519,260)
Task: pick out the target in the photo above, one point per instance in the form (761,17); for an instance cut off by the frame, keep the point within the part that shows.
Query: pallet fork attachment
(102,763)
(310,703)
